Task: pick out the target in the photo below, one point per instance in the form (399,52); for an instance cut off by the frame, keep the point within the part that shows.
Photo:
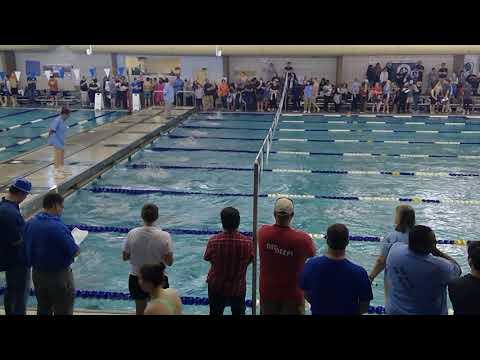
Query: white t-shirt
(383,76)
(147,245)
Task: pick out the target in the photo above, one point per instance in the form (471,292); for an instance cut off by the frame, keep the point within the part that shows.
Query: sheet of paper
(79,235)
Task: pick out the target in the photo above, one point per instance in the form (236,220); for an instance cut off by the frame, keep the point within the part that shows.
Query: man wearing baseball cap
(13,257)
(283,252)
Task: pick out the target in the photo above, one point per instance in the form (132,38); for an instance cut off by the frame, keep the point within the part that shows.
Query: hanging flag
(61,72)
(76,72)
(48,73)
(92,72)
(17,74)
(107,72)
(2,75)
(121,70)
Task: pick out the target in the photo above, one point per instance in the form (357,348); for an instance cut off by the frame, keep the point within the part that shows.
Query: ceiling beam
(283,50)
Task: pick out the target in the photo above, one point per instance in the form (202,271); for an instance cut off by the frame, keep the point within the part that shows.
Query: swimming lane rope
(142,191)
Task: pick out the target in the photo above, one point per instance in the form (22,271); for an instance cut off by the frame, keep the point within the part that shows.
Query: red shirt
(229,254)
(283,252)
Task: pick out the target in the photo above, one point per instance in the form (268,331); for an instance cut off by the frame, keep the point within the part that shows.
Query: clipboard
(79,235)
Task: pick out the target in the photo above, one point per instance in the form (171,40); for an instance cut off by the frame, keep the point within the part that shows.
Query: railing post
(256,171)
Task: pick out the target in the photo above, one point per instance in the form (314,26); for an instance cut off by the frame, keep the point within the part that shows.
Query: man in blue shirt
(178,86)
(51,250)
(418,274)
(13,259)
(332,284)
(56,137)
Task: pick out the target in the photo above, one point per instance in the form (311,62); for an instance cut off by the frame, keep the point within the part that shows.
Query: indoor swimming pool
(338,169)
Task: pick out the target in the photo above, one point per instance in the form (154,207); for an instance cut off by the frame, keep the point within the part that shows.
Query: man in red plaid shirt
(229,253)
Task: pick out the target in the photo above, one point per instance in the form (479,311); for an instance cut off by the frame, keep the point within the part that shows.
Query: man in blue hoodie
(51,250)
(13,257)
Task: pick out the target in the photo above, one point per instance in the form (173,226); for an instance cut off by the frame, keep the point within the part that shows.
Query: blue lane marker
(142,191)
(213,137)
(306,153)
(29,122)
(27,140)
(17,113)
(160,149)
(333,130)
(343,121)
(125,230)
(328,140)
(306,171)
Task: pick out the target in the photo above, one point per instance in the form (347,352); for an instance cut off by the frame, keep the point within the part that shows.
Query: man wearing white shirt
(383,76)
(147,244)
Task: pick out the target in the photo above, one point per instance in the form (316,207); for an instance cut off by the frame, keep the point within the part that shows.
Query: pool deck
(87,155)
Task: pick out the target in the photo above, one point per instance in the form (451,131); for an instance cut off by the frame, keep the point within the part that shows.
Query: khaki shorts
(270,307)
(207,102)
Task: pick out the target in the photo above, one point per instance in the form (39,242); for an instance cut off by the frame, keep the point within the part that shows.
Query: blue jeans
(17,291)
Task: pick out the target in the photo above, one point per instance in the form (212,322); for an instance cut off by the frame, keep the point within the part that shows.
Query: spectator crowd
(384,89)
(418,277)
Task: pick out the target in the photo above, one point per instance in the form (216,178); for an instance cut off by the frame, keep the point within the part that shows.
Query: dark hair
(474,254)
(153,274)
(406,218)
(52,199)
(419,239)
(337,237)
(14,191)
(149,213)
(230,218)
(65,110)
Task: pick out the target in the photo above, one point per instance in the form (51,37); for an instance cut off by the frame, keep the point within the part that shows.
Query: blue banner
(92,71)
(121,70)
(61,72)
(2,75)
(32,68)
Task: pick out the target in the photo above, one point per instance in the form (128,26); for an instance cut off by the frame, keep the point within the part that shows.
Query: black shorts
(14,91)
(136,291)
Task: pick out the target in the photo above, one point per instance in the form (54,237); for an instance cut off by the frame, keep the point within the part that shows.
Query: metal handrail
(260,159)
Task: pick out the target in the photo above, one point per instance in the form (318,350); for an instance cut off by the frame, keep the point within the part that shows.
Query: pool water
(99,267)
(11,117)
